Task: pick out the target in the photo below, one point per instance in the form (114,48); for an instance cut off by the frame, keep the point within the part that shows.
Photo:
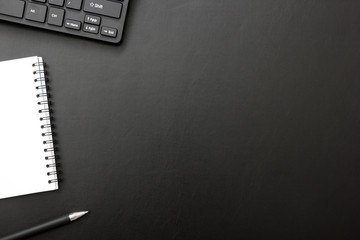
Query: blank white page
(23,168)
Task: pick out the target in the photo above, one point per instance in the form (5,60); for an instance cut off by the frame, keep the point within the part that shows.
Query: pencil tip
(76,215)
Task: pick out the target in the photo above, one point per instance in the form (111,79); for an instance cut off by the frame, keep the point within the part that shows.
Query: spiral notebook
(27,157)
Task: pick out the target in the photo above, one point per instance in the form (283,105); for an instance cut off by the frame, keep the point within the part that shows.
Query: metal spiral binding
(45,112)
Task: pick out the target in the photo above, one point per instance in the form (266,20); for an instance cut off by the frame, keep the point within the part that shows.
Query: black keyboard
(96,19)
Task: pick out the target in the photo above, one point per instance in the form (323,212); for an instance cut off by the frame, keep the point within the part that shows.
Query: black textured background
(226,119)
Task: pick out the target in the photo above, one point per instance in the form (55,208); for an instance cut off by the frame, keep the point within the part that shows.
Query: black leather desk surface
(212,120)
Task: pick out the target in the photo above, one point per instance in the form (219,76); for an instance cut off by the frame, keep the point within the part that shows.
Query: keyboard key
(74,4)
(91,28)
(12,8)
(56,16)
(110,32)
(103,7)
(92,19)
(72,24)
(42,1)
(59,3)
(35,12)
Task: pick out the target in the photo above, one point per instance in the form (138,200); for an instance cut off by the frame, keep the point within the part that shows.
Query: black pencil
(45,226)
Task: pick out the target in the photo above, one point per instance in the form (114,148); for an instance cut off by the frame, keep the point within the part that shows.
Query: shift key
(103,7)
